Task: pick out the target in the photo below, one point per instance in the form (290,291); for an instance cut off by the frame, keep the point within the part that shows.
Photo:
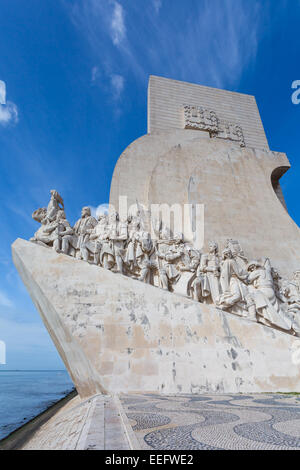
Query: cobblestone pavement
(258,421)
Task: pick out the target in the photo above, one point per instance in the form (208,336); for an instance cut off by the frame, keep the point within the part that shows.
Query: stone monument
(132,304)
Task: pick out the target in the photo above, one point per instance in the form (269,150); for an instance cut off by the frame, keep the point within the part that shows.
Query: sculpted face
(85,212)
(39,214)
(114,217)
(212,247)
(227,254)
(102,219)
(60,215)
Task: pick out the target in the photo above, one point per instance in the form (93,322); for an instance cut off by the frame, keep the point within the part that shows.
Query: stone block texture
(166,98)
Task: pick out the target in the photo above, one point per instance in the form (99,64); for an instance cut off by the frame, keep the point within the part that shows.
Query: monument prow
(116,334)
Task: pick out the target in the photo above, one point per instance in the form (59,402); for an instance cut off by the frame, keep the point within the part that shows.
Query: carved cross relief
(196,117)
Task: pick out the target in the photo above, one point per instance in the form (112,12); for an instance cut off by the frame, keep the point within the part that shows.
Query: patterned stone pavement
(189,422)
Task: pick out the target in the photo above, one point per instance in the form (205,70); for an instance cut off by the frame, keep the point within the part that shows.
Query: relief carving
(254,290)
(196,117)
(231,132)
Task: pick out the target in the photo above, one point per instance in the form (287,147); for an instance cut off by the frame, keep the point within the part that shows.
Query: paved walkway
(263,421)
(186,422)
(92,424)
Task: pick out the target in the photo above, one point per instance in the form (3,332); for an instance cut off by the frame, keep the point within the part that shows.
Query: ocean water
(25,394)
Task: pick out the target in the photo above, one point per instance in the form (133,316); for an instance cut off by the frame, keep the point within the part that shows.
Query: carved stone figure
(254,290)
(278,285)
(82,230)
(118,233)
(107,256)
(40,215)
(62,229)
(296,279)
(91,248)
(235,294)
(263,291)
(196,285)
(168,252)
(45,234)
(293,300)
(56,203)
(237,253)
(133,238)
(189,262)
(207,283)
(190,259)
(143,256)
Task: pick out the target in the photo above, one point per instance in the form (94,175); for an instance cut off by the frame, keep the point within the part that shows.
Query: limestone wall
(166,98)
(116,334)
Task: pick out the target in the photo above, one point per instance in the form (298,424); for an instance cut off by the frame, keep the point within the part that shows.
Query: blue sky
(73,94)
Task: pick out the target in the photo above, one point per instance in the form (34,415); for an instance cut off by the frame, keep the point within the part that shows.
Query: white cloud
(5,301)
(118,28)
(113,83)
(212,43)
(95,74)
(8,113)
(2,92)
(8,110)
(157,5)
(117,83)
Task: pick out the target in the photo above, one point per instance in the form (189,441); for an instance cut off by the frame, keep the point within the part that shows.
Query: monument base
(116,334)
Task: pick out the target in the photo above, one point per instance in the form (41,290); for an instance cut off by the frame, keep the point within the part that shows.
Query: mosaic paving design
(189,422)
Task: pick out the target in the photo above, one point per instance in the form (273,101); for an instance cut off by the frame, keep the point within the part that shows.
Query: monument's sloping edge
(118,334)
(76,362)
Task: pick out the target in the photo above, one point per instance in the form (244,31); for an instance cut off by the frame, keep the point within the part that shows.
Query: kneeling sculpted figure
(262,289)
(235,294)
(44,236)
